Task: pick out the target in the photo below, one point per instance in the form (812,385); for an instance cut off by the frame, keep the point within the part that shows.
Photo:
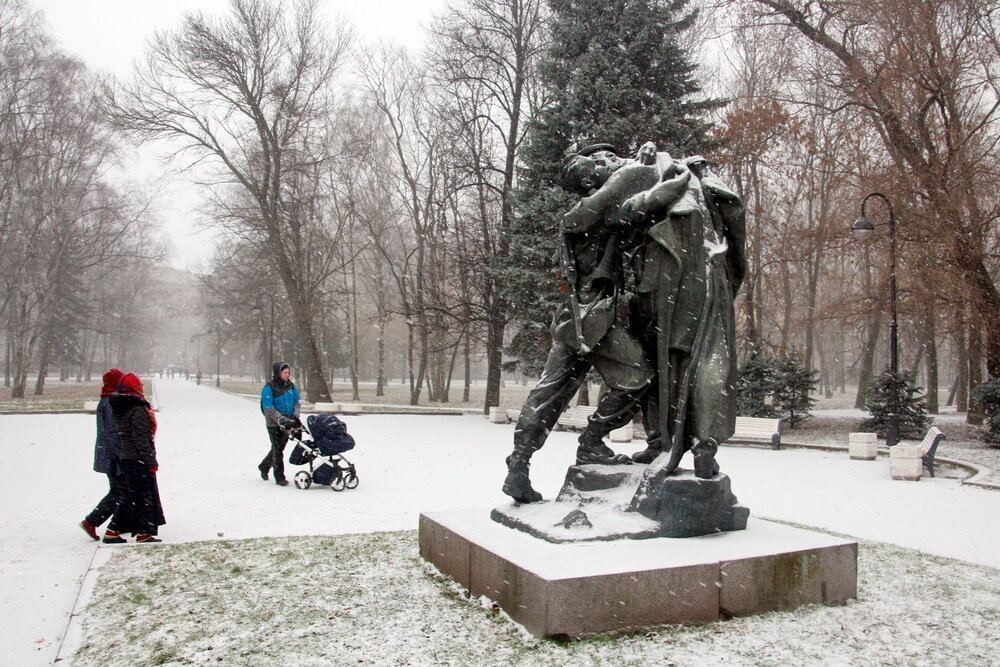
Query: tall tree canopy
(615,72)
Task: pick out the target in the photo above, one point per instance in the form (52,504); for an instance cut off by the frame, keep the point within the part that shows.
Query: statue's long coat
(691,266)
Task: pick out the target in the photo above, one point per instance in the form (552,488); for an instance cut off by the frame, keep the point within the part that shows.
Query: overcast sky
(109,35)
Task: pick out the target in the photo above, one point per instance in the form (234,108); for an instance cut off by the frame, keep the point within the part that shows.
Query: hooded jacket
(132,418)
(279,398)
(107,447)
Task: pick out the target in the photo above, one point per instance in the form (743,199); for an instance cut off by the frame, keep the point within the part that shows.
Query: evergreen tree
(793,386)
(913,418)
(755,387)
(988,396)
(614,73)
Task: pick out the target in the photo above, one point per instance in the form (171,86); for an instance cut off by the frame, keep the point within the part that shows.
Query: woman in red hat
(140,512)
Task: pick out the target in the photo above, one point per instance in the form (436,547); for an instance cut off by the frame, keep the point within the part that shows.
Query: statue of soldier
(588,331)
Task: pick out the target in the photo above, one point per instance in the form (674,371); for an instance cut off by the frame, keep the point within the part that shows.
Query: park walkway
(209,444)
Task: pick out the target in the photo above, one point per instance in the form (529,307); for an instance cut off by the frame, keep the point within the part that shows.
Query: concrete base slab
(573,590)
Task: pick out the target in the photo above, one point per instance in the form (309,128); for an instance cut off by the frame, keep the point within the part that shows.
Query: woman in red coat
(140,512)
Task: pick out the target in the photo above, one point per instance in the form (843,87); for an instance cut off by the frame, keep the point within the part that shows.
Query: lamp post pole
(861,229)
(218,357)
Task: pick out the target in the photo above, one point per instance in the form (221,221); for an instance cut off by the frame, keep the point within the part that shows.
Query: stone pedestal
(905,462)
(623,434)
(576,590)
(498,415)
(90,406)
(862,446)
(328,408)
(351,409)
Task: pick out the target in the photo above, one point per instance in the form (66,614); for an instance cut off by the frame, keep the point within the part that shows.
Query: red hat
(111,379)
(130,384)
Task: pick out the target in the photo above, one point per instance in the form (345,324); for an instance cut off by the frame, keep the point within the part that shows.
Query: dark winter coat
(134,429)
(107,448)
(279,398)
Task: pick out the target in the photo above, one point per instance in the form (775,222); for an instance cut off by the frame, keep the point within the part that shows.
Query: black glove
(287,422)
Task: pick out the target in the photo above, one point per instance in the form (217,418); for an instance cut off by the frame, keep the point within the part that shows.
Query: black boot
(705,466)
(595,451)
(647,455)
(517,485)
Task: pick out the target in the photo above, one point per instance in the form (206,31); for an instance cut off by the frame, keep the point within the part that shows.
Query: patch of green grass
(370,598)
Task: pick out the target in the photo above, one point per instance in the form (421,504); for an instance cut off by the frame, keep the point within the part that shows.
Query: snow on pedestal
(90,406)
(327,407)
(498,415)
(905,462)
(862,446)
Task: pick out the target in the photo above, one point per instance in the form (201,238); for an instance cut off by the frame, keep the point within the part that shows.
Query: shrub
(913,417)
(988,396)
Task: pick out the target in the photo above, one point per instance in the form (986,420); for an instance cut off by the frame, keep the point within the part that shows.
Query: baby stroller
(321,447)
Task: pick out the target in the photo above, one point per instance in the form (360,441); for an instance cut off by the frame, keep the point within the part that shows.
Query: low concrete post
(862,446)
(351,408)
(498,415)
(905,463)
(90,406)
(327,407)
(623,434)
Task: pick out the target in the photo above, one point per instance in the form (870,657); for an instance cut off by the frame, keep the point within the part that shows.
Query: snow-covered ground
(209,444)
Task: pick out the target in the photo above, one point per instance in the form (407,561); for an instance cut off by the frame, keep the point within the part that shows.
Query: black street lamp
(861,230)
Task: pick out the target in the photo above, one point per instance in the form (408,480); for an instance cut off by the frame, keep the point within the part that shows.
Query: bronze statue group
(652,257)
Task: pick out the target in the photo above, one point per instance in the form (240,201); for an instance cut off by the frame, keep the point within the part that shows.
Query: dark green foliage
(794,384)
(988,396)
(755,387)
(614,73)
(913,418)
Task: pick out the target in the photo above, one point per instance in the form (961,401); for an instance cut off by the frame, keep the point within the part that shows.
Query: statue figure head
(588,170)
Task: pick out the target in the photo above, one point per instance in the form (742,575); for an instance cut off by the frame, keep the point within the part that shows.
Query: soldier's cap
(593,148)
(568,170)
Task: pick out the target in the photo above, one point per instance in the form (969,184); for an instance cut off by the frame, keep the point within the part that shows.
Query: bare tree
(247,90)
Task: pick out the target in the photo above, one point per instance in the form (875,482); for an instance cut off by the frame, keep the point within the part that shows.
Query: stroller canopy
(330,434)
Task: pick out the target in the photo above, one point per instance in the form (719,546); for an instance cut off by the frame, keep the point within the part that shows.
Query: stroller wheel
(351,480)
(303,480)
(337,483)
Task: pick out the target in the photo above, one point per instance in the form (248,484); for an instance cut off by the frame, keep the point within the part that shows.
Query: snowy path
(209,444)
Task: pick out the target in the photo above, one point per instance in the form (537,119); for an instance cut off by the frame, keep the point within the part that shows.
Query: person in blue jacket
(279,401)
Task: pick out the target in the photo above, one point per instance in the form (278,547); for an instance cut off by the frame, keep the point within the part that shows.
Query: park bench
(928,447)
(758,430)
(574,418)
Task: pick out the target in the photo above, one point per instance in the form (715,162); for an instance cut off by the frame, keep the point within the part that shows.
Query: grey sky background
(109,35)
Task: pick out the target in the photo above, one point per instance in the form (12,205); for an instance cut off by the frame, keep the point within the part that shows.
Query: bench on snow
(758,430)
(574,419)
(928,447)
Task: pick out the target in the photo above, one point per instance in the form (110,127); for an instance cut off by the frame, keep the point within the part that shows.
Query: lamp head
(862,228)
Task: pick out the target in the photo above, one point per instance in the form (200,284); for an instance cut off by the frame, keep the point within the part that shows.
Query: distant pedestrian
(139,512)
(279,401)
(106,450)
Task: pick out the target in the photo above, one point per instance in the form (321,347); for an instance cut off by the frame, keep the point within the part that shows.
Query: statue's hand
(631,212)
(647,153)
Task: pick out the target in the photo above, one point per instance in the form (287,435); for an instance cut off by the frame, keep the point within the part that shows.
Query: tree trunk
(865,373)
(930,346)
(494,361)
(975,414)
(962,374)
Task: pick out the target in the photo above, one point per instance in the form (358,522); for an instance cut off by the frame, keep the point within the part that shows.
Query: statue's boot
(705,465)
(517,484)
(595,451)
(647,455)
